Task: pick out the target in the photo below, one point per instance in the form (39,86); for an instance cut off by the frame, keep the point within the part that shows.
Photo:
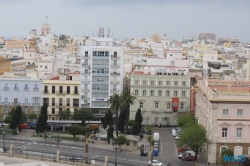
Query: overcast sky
(128,18)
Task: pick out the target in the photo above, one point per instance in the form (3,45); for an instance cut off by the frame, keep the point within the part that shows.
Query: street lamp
(58,141)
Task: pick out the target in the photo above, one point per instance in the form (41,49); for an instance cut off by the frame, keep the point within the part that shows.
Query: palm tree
(128,99)
(116,104)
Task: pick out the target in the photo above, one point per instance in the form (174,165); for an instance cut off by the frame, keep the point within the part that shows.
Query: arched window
(237,150)
(223,148)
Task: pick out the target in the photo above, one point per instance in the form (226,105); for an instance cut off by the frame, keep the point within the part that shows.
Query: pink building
(223,108)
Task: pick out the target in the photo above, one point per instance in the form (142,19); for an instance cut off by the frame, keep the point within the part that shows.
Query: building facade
(101,73)
(24,92)
(222,107)
(160,93)
(61,93)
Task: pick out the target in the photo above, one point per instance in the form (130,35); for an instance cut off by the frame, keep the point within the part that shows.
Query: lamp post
(58,141)
(147,118)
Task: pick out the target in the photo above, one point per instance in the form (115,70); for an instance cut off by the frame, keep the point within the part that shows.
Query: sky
(128,18)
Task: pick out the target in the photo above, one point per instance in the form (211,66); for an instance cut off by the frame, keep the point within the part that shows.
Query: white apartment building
(101,73)
(24,92)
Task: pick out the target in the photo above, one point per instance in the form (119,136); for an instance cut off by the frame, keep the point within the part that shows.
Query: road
(167,154)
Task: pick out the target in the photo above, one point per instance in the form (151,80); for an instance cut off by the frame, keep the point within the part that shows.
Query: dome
(156,38)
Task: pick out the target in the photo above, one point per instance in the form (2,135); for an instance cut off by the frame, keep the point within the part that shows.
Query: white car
(155,163)
(176,137)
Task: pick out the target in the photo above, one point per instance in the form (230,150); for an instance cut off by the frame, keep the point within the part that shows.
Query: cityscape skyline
(128,19)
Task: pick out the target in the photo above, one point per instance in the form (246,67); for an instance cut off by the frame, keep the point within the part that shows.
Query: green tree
(121,140)
(42,119)
(149,129)
(150,139)
(128,99)
(23,117)
(121,121)
(116,104)
(64,114)
(136,128)
(83,115)
(32,116)
(75,130)
(110,132)
(107,119)
(184,119)
(16,118)
(8,118)
(131,122)
(193,137)
(86,130)
(138,118)
(227,152)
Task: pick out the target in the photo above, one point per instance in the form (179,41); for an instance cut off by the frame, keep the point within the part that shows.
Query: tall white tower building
(101,73)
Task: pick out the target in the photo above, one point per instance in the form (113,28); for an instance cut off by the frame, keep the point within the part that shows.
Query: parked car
(176,137)
(24,126)
(155,163)
(188,158)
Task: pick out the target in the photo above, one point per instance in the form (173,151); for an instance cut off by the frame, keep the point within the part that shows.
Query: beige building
(61,92)
(159,95)
(16,44)
(5,65)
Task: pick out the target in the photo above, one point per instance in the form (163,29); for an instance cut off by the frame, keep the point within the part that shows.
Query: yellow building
(17,44)
(61,93)
(5,65)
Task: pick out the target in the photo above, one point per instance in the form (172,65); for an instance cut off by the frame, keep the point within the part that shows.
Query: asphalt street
(167,153)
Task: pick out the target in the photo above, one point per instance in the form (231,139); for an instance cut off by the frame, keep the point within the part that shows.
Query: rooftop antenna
(46,19)
(102,31)
(108,32)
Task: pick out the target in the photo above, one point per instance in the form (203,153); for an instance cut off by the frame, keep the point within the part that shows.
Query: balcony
(75,92)
(45,91)
(85,81)
(6,88)
(60,92)
(85,89)
(26,89)
(115,65)
(115,57)
(60,104)
(16,88)
(156,111)
(85,65)
(75,105)
(166,110)
(36,89)
(85,56)
(85,105)
(114,91)
(53,104)
(26,104)
(6,103)
(16,103)
(115,74)
(36,104)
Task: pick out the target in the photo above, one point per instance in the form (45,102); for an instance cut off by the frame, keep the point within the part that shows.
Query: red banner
(175,104)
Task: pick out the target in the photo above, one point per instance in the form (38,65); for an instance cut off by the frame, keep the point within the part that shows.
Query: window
(36,100)
(53,101)
(168,83)
(183,83)
(68,101)
(152,93)
(182,106)
(237,150)
(144,82)
(239,112)
(26,110)
(114,87)
(76,90)
(46,67)
(168,105)
(6,108)
(15,100)
(144,93)
(156,105)
(222,149)
(6,85)
(225,111)
(60,101)
(238,133)
(152,82)
(156,119)
(60,89)
(136,92)
(141,104)
(45,89)
(53,89)
(167,93)
(68,89)
(224,133)
(6,100)
(175,94)
(35,109)
(53,111)
(160,82)
(136,82)
(26,86)
(26,100)
(176,83)
(16,85)
(159,93)
(183,94)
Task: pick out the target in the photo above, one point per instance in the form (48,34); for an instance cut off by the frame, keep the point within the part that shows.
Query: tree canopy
(224,153)
(121,121)
(64,114)
(107,119)
(184,119)
(138,118)
(136,128)
(83,115)
(110,132)
(75,130)
(193,137)
(32,116)
(16,116)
